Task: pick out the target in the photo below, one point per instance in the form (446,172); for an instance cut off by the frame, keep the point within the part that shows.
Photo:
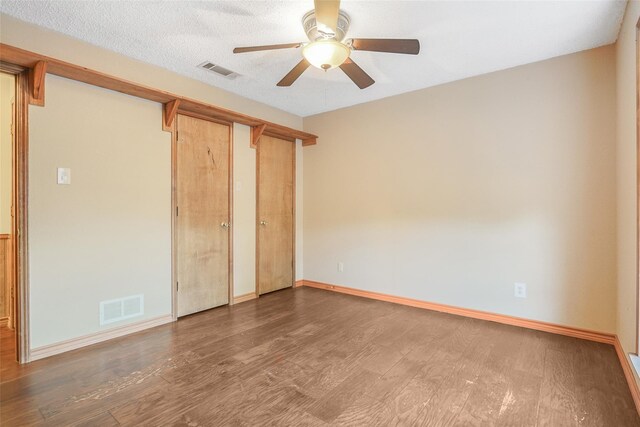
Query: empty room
(319,213)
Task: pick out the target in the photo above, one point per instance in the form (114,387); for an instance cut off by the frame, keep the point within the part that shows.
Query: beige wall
(107,235)
(7,96)
(453,193)
(299,212)
(244,212)
(627,177)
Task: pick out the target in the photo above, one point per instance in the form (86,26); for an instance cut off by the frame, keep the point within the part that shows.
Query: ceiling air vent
(224,72)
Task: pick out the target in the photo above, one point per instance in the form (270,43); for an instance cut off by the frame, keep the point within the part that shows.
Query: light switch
(64,176)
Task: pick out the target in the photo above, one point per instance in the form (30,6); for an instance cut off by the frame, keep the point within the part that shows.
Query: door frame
(637,46)
(293,213)
(20,202)
(174,207)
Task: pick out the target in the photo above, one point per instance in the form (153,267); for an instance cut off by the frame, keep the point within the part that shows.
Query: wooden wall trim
(169,112)
(475,314)
(24,58)
(244,297)
(119,331)
(36,81)
(256,133)
(9,285)
(628,373)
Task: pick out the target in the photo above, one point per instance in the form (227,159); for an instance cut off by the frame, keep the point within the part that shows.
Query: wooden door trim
(203,117)
(174,208)
(20,202)
(293,219)
(257,224)
(637,349)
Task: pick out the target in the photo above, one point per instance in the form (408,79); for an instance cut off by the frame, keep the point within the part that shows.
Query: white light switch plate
(64,176)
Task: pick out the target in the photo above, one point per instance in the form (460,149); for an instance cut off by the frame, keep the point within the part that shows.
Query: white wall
(453,193)
(627,178)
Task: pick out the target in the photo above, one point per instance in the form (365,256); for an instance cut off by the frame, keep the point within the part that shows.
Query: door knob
(225,225)
(263,222)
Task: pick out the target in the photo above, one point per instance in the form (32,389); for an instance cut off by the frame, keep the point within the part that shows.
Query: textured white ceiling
(458,39)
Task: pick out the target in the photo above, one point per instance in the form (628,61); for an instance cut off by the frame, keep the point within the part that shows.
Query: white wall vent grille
(119,309)
(224,72)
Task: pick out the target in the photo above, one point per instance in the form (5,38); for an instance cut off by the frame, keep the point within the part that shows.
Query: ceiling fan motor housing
(311,28)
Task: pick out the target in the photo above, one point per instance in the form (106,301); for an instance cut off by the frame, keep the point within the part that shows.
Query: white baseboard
(83,341)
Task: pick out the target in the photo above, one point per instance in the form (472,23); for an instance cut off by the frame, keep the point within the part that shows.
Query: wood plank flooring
(305,356)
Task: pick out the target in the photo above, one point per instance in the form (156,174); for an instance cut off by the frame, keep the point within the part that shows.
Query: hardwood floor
(311,357)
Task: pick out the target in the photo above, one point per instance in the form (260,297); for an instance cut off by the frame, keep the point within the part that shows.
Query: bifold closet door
(203,214)
(275,214)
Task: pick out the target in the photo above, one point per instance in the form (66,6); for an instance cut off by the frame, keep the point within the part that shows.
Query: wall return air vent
(119,309)
(214,68)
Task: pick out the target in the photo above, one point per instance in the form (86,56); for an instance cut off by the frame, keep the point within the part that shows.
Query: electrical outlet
(340,267)
(520,290)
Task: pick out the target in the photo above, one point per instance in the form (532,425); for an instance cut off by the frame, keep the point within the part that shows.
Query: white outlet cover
(520,290)
(64,176)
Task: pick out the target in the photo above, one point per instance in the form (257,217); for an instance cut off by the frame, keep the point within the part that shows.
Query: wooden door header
(39,65)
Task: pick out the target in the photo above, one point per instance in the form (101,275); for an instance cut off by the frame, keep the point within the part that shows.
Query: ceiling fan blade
(356,74)
(266,47)
(408,46)
(293,75)
(327,15)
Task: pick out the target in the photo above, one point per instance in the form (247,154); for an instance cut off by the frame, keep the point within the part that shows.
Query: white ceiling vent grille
(119,309)
(224,72)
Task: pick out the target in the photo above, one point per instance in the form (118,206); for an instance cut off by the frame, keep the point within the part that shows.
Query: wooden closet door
(203,214)
(275,214)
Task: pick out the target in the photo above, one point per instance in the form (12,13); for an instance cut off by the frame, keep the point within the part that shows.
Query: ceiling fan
(326,27)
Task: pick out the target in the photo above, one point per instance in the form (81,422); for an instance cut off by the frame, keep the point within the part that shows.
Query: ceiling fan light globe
(326,54)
